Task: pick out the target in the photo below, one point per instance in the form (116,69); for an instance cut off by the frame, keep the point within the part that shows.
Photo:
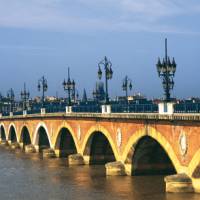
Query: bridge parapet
(123,116)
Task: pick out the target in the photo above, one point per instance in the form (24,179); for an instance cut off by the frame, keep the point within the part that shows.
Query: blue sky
(46,36)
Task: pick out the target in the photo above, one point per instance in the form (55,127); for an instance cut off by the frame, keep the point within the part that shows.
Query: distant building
(50,98)
(135,99)
(98,92)
(84,99)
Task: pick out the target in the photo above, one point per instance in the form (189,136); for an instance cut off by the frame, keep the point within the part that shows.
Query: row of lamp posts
(166,71)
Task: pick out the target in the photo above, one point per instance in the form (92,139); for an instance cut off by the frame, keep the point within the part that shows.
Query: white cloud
(93,15)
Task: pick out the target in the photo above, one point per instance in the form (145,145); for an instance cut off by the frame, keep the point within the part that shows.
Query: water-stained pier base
(179,183)
(115,169)
(48,153)
(75,159)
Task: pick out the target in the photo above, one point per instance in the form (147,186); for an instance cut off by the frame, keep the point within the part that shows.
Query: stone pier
(48,153)
(29,148)
(4,142)
(179,183)
(115,169)
(75,159)
(15,145)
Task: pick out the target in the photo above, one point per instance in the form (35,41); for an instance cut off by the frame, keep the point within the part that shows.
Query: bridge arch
(2,132)
(41,138)
(25,136)
(154,136)
(12,133)
(98,146)
(65,143)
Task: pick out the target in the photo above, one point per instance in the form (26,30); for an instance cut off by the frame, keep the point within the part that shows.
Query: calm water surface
(28,177)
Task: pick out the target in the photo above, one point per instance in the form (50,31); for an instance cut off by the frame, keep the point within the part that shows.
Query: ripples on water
(24,176)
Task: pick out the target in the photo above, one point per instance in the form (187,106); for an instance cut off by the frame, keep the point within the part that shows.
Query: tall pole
(108,75)
(166,71)
(167,90)
(69,86)
(43,83)
(127,85)
(24,95)
(11,97)
(126,79)
(106,79)
(69,89)
(166,50)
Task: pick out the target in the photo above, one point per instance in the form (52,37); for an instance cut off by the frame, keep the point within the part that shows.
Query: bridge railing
(34,111)
(53,109)
(115,108)
(87,108)
(135,108)
(18,113)
(187,108)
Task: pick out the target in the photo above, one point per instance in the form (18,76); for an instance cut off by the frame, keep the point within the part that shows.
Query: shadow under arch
(150,158)
(12,135)
(25,137)
(151,139)
(41,137)
(98,148)
(2,133)
(65,143)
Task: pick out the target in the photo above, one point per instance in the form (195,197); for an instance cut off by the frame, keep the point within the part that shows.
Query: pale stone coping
(131,116)
(178,178)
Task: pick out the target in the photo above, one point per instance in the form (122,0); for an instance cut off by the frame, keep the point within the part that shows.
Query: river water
(24,176)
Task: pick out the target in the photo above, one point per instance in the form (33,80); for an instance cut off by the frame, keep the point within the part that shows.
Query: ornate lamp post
(69,86)
(25,96)
(108,75)
(166,71)
(127,85)
(11,97)
(42,85)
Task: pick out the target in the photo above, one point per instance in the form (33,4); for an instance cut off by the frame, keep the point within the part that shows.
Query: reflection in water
(27,176)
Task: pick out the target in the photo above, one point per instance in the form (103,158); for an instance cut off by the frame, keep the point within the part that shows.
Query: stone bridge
(129,144)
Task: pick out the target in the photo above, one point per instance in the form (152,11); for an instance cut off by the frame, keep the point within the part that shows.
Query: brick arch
(9,128)
(106,133)
(157,136)
(20,133)
(35,135)
(71,131)
(3,125)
